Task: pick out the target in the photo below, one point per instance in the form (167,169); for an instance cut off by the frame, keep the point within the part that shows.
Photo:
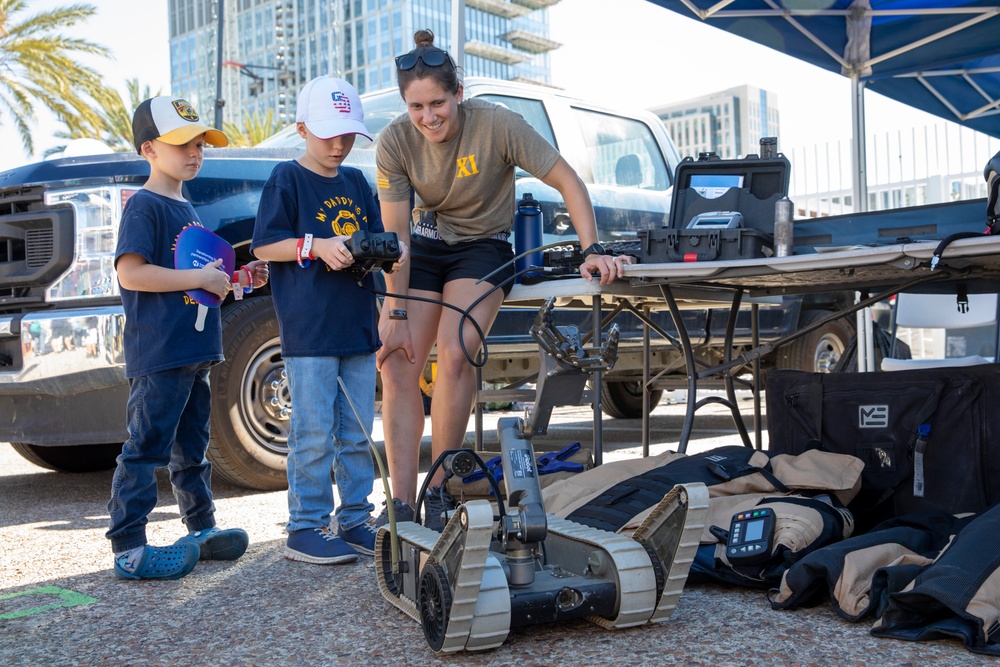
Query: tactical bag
(858,574)
(925,575)
(620,494)
(807,494)
(958,595)
(929,439)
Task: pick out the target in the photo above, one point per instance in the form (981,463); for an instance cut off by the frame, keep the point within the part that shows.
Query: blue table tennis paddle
(196,247)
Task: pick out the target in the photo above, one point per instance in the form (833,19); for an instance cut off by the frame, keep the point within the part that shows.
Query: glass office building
(272,47)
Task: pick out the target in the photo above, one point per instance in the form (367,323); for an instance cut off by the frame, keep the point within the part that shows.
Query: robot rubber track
(457,588)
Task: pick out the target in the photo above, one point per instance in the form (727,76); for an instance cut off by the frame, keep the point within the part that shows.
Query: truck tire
(251,405)
(72,458)
(818,351)
(622,399)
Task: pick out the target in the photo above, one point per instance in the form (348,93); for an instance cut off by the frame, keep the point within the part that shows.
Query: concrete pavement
(61,605)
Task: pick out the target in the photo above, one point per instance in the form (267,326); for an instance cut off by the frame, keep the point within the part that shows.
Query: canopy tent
(941,57)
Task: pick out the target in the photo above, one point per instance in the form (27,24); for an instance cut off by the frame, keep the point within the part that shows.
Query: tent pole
(865,341)
(860,159)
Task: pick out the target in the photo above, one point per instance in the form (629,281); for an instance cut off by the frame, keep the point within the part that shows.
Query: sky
(636,55)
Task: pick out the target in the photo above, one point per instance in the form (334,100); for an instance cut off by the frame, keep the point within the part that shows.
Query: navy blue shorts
(434,263)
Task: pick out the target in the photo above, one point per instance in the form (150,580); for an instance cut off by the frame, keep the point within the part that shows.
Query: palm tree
(256,128)
(116,120)
(37,68)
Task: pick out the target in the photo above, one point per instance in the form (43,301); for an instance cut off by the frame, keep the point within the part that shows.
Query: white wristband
(307,244)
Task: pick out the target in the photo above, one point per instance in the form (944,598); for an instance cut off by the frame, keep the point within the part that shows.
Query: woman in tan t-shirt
(459,159)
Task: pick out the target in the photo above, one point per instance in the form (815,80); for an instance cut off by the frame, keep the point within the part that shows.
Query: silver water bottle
(783,241)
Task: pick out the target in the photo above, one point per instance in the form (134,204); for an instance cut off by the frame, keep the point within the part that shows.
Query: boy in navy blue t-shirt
(328,323)
(166,358)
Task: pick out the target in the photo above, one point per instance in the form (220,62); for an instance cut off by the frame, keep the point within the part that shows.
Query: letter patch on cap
(341,102)
(186,111)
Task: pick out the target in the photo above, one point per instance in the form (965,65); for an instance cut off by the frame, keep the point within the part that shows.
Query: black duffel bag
(929,439)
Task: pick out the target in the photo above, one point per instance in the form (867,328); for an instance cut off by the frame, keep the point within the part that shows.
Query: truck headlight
(96,215)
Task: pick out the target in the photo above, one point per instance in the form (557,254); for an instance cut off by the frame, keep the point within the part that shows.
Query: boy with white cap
(328,323)
(166,359)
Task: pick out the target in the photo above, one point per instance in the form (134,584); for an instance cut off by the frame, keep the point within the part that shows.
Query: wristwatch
(595,249)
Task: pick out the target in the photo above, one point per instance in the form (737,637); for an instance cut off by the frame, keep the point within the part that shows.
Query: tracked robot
(497,568)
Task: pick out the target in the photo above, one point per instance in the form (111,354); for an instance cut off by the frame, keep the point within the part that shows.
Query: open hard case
(721,209)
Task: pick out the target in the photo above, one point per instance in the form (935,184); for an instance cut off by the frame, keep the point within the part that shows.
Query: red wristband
(245,278)
(244,274)
(303,251)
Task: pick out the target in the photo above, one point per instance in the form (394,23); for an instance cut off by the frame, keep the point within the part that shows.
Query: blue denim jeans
(168,425)
(325,434)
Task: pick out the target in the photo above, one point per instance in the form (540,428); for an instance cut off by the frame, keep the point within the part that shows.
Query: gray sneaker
(402,511)
(437,502)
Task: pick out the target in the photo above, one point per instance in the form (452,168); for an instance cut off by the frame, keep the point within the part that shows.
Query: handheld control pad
(751,537)
(373,250)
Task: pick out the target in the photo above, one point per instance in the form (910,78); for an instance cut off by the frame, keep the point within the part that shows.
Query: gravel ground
(61,605)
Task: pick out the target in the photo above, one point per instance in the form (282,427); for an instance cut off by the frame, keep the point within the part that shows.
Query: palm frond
(38,68)
(255,129)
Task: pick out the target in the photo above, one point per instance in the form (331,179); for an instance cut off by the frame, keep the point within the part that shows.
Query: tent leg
(865,346)
(858,145)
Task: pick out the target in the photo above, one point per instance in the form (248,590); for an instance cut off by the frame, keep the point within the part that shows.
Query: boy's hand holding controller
(333,251)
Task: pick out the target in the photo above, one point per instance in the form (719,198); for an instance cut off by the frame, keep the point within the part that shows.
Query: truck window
(533,111)
(623,151)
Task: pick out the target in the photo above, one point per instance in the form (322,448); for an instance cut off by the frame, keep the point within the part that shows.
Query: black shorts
(434,263)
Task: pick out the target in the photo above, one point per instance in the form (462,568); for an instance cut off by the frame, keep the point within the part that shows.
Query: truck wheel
(73,458)
(251,405)
(622,399)
(818,351)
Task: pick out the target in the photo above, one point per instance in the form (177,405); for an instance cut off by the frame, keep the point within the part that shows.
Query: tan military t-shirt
(467,181)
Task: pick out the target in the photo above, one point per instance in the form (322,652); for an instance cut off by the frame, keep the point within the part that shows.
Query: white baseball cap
(173,121)
(330,107)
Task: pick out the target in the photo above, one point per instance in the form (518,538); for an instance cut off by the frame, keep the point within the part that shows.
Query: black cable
(541,248)
(418,506)
(466,314)
(948,240)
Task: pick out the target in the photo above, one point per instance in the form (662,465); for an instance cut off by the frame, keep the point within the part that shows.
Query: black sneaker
(437,502)
(402,511)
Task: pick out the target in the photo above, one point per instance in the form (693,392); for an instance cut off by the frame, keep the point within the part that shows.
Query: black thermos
(527,236)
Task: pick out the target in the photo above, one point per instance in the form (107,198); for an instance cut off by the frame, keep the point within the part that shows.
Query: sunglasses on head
(434,58)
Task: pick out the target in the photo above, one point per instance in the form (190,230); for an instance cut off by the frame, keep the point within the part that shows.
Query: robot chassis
(469,585)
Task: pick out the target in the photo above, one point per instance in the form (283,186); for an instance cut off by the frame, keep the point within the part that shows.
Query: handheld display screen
(753,531)
(717,220)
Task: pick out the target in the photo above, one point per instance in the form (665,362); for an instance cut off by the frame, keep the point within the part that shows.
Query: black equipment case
(721,209)
(929,438)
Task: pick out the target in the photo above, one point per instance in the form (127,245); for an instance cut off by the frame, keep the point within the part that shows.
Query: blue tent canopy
(940,57)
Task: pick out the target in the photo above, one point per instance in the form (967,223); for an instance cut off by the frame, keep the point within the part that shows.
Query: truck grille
(39,245)
(36,242)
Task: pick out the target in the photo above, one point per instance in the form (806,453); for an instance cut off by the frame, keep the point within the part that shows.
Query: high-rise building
(272,47)
(729,123)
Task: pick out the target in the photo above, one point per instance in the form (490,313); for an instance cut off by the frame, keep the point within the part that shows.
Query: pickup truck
(62,386)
